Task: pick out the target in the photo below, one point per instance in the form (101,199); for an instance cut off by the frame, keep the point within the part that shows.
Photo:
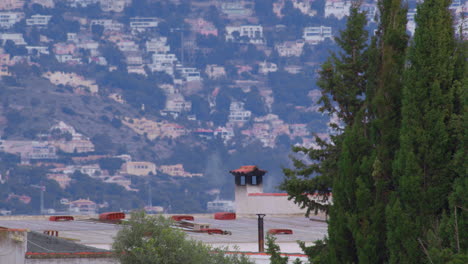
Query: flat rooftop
(244,232)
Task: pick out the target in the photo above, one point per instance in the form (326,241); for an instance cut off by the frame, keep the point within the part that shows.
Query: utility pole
(261,236)
(42,188)
(150,198)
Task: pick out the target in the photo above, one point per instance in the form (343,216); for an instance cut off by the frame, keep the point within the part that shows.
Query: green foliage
(110,164)
(274,250)
(146,239)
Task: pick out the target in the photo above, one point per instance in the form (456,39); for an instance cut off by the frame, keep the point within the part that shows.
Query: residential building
(176,103)
(90,45)
(81,3)
(371,11)
(127,45)
(337,8)
(171,130)
(72,37)
(226,133)
(189,73)
(137,69)
(44,3)
(2,147)
(267,67)
(113,5)
(293,69)
(305,6)
(202,27)
(235,9)
(143,23)
(117,97)
(176,170)
(290,48)
(215,71)
(38,20)
(237,113)
(8,19)
(82,206)
(157,45)
(76,146)
(120,180)
(67,58)
(107,24)
(64,48)
(71,79)
(252,33)
(163,63)
(42,150)
(4,63)
(139,168)
(17,38)
(299,130)
(411,24)
(133,58)
(38,50)
(218,205)
(315,35)
(11,4)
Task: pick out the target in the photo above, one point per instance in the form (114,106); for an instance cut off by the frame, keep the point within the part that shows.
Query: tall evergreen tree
(422,172)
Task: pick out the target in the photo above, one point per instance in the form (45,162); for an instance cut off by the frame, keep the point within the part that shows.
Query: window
(242,180)
(254,180)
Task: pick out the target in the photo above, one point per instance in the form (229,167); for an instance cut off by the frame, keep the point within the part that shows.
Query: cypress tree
(422,171)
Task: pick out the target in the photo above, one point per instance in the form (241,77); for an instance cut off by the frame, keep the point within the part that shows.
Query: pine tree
(342,80)
(422,167)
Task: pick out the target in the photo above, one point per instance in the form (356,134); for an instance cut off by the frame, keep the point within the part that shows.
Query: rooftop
(243,231)
(248,170)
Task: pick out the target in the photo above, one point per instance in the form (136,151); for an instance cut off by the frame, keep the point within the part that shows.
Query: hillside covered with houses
(123,104)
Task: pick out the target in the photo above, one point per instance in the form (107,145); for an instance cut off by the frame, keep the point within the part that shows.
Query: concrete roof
(244,231)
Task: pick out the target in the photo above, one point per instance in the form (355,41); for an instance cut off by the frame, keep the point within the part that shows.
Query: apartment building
(139,168)
(157,45)
(267,67)
(143,23)
(290,48)
(189,74)
(11,4)
(337,8)
(237,113)
(254,33)
(38,20)
(112,5)
(17,38)
(8,19)
(107,24)
(38,50)
(215,71)
(315,35)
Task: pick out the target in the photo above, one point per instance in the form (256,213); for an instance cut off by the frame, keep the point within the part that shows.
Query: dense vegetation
(148,239)
(397,166)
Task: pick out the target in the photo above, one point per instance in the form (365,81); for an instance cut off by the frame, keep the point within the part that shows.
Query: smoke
(215,170)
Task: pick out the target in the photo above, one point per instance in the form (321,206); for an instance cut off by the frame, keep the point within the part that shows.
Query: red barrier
(56,218)
(225,216)
(112,216)
(213,231)
(178,218)
(280,231)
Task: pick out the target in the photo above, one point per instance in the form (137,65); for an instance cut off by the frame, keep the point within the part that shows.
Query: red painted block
(212,231)
(225,216)
(280,231)
(112,216)
(178,218)
(56,218)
